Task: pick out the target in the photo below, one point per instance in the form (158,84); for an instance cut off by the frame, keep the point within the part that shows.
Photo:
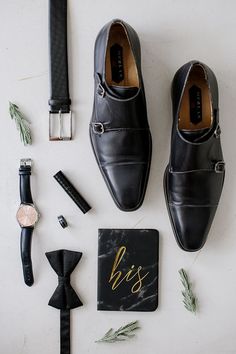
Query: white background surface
(171,33)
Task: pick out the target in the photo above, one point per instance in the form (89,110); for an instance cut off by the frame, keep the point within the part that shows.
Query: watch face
(27,215)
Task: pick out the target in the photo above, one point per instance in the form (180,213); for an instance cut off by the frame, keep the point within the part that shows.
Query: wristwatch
(27,217)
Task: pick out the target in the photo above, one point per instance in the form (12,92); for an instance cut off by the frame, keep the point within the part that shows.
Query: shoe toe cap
(127,183)
(192,225)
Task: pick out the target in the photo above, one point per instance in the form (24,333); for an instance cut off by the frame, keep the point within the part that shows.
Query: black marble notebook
(128,269)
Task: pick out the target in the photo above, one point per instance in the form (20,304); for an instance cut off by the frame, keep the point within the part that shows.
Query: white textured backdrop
(171,32)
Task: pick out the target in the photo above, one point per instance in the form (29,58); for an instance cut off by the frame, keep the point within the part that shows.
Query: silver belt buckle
(57,124)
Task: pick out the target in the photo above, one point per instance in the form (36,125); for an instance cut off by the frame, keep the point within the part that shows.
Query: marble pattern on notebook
(128,269)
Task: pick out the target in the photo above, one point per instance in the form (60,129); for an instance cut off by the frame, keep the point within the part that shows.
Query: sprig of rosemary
(21,123)
(121,334)
(190,301)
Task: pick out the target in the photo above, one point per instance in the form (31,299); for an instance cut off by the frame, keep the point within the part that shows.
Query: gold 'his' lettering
(116,275)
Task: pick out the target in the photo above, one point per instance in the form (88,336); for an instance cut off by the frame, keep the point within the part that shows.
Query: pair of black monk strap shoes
(122,142)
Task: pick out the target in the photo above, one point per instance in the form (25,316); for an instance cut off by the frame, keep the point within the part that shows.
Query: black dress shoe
(194,178)
(119,129)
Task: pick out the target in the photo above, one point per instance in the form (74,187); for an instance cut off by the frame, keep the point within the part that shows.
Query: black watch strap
(25,190)
(25,248)
(59,97)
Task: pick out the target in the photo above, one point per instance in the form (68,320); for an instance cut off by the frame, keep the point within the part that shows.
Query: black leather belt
(59,102)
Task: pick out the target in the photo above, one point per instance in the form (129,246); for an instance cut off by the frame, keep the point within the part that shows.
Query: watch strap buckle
(26,162)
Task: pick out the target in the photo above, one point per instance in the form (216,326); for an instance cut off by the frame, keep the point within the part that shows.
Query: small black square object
(62,221)
(128,269)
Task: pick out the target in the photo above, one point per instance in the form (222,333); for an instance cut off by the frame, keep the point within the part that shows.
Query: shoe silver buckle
(219,167)
(217,131)
(98,128)
(101,90)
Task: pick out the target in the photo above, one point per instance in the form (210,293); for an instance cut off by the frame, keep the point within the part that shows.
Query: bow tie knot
(63,279)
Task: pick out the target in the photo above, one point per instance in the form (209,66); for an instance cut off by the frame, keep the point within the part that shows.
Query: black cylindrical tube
(72,192)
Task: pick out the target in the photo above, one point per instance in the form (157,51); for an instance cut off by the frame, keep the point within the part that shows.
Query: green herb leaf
(121,334)
(189,300)
(21,124)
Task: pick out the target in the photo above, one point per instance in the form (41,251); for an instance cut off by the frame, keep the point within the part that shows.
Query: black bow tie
(64,297)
